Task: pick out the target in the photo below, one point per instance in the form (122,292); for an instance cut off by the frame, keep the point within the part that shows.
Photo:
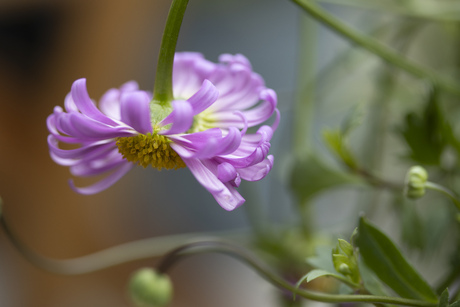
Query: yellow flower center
(149,149)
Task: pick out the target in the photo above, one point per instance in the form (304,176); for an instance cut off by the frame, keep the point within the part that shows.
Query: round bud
(415,181)
(150,289)
(344,269)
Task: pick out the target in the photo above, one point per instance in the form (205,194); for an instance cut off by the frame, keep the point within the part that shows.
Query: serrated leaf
(311,176)
(444,299)
(428,135)
(386,261)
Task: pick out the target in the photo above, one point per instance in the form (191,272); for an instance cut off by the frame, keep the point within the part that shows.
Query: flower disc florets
(148,149)
(205,128)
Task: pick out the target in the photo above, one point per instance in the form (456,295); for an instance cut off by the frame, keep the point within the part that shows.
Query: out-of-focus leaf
(313,274)
(336,141)
(353,120)
(428,135)
(370,281)
(310,176)
(412,229)
(387,262)
(444,299)
(322,259)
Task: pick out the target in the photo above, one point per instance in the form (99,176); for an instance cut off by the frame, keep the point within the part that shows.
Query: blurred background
(44,47)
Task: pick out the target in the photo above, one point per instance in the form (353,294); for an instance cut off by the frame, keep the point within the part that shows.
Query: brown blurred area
(44,47)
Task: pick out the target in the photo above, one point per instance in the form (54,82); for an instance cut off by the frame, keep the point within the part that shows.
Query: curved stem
(163,90)
(378,48)
(219,246)
(445,191)
(141,249)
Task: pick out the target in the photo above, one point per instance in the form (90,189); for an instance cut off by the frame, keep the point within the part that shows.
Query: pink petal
(135,111)
(104,183)
(181,118)
(258,171)
(85,105)
(205,97)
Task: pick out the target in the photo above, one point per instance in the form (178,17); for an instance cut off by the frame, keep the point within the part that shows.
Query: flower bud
(344,269)
(150,289)
(415,181)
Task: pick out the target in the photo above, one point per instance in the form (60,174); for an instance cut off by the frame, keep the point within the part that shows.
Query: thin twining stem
(437,187)
(127,252)
(378,48)
(223,247)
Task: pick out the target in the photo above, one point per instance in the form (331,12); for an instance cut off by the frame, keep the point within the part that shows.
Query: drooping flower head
(205,128)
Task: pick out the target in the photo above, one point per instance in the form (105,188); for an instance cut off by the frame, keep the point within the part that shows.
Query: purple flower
(205,128)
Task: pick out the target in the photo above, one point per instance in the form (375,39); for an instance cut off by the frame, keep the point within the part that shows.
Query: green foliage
(413,231)
(428,135)
(311,176)
(336,141)
(444,299)
(345,261)
(386,261)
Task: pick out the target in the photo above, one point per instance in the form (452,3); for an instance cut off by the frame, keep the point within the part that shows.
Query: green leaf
(444,299)
(310,176)
(386,261)
(412,226)
(370,281)
(429,134)
(313,274)
(455,304)
(336,141)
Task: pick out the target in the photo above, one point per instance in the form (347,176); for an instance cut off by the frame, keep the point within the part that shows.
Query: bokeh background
(44,47)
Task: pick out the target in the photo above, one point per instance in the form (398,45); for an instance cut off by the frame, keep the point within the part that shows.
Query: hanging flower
(205,128)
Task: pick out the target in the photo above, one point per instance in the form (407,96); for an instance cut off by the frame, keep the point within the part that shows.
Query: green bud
(338,260)
(344,269)
(416,179)
(150,289)
(346,247)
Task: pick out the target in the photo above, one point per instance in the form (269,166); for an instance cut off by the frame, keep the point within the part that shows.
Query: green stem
(219,246)
(378,48)
(136,250)
(163,89)
(303,118)
(443,190)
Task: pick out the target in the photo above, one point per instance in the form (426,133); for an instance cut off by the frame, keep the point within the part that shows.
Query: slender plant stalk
(163,89)
(377,48)
(445,191)
(250,259)
(113,256)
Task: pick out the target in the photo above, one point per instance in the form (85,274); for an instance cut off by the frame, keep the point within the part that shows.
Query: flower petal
(226,195)
(181,118)
(258,171)
(85,105)
(135,111)
(205,97)
(105,183)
